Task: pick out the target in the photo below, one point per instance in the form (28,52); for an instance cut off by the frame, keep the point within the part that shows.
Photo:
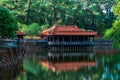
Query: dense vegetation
(88,14)
(33,16)
(114,32)
(8,25)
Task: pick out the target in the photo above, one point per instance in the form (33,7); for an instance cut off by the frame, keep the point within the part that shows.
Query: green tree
(8,24)
(114,32)
(89,14)
(33,29)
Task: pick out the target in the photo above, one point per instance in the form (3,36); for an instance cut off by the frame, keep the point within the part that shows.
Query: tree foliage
(8,24)
(89,14)
(114,32)
(33,29)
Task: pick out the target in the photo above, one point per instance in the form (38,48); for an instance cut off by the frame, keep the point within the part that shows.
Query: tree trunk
(53,14)
(28,12)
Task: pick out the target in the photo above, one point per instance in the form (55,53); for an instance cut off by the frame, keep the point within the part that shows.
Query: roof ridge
(68,30)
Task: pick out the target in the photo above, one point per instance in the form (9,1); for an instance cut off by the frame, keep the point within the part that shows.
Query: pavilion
(69,38)
(68,34)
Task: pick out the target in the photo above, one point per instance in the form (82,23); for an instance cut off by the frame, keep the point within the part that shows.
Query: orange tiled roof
(20,33)
(67,30)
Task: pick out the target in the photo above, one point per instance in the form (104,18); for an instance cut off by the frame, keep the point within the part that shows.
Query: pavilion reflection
(67,61)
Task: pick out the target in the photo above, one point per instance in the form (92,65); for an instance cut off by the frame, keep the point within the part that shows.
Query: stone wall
(10,56)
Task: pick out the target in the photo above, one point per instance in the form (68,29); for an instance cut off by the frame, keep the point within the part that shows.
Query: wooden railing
(82,43)
(67,43)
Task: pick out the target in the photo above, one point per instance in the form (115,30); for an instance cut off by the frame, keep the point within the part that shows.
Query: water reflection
(10,74)
(106,67)
(42,64)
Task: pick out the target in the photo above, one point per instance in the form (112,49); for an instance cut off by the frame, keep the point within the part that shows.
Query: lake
(39,64)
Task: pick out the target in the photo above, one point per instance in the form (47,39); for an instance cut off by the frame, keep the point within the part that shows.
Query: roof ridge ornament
(75,26)
(53,29)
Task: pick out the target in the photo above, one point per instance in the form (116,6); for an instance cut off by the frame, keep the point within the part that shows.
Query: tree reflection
(107,68)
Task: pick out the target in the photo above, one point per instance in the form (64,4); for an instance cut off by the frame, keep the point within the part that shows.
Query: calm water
(106,67)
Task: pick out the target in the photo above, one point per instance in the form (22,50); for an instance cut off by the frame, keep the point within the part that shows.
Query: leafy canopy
(8,24)
(114,32)
(33,29)
(88,14)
